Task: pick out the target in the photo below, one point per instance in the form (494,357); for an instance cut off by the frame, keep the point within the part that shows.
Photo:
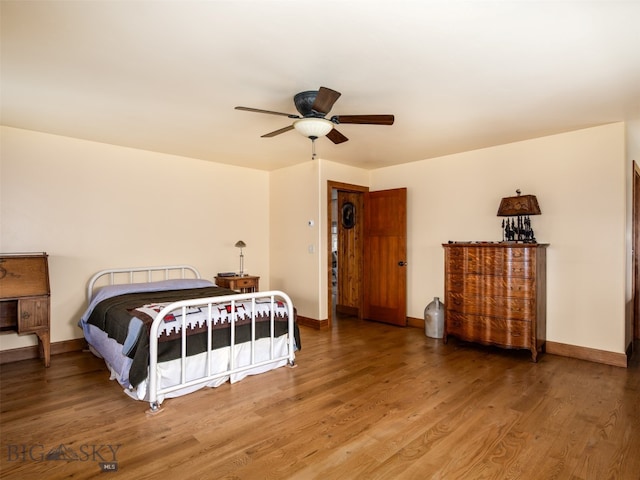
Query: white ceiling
(165,76)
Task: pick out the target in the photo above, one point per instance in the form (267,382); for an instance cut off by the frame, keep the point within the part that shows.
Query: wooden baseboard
(347,310)
(589,354)
(27,353)
(312,322)
(415,322)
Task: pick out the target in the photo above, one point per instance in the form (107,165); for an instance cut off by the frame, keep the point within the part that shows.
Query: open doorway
(366,253)
(345,249)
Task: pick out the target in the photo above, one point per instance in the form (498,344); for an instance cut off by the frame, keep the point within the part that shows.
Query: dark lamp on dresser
(518,209)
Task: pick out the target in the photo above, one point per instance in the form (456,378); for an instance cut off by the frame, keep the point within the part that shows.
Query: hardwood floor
(366,401)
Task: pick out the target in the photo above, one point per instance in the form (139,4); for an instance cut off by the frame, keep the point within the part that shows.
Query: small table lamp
(520,206)
(240,244)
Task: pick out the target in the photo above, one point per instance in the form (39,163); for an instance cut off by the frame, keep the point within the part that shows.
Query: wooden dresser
(495,294)
(24,297)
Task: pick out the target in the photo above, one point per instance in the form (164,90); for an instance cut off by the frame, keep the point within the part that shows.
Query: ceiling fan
(313,106)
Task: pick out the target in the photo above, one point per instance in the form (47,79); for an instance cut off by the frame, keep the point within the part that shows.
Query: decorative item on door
(434,319)
(348,215)
(517,226)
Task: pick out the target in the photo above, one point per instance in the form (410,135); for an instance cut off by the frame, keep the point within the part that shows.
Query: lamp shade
(313,127)
(240,244)
(519,205)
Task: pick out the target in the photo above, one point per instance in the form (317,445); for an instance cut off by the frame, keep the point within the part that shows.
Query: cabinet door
(33,314)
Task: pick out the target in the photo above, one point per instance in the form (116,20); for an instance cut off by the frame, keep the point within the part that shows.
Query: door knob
(402,264)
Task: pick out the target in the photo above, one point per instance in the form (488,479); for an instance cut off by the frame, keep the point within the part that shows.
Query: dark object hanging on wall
(517,227)
(348,215)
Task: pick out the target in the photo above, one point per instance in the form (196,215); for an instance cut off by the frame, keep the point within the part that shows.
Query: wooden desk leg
(45,346)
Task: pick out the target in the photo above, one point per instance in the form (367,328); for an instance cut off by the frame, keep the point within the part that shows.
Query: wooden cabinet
(24,297)
(244,284)
(495,294)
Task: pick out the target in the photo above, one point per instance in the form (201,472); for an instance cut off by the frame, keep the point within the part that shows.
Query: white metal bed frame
(187,271)
(129,274)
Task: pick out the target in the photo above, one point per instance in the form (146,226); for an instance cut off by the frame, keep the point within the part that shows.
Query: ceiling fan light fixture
(313,127)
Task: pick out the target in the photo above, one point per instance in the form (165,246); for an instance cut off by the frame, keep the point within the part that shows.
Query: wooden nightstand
(244,284)
(24,297)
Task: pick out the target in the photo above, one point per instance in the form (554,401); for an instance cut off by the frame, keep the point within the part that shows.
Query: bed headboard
(117,276)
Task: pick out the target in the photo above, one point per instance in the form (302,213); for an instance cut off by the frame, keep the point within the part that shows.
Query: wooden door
(385,252)
(349,269)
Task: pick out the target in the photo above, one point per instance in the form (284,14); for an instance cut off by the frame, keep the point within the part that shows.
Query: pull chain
(313,147)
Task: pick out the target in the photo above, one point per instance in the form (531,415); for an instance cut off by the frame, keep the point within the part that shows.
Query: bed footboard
(208,305)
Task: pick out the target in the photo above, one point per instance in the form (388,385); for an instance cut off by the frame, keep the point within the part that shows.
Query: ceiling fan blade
(325,100)
(270,112)
(365,119)
(336,137)
(278,132)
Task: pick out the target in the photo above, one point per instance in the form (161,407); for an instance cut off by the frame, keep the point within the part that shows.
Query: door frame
(635,249)
(346,187)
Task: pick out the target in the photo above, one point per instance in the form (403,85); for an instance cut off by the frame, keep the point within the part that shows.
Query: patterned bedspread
(127,319)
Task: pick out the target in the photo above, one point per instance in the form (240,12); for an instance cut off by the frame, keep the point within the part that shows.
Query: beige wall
(299,250)
(92,206)
(579,180)
(294,242)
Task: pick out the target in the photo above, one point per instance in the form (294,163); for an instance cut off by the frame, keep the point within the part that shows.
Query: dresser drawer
(517,308)
(490,286)
(488,330)
(245,283)
(490,261)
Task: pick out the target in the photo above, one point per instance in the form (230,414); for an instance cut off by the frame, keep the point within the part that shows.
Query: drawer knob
(26,315)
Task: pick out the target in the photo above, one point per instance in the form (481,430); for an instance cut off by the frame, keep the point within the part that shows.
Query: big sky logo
(104,454)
